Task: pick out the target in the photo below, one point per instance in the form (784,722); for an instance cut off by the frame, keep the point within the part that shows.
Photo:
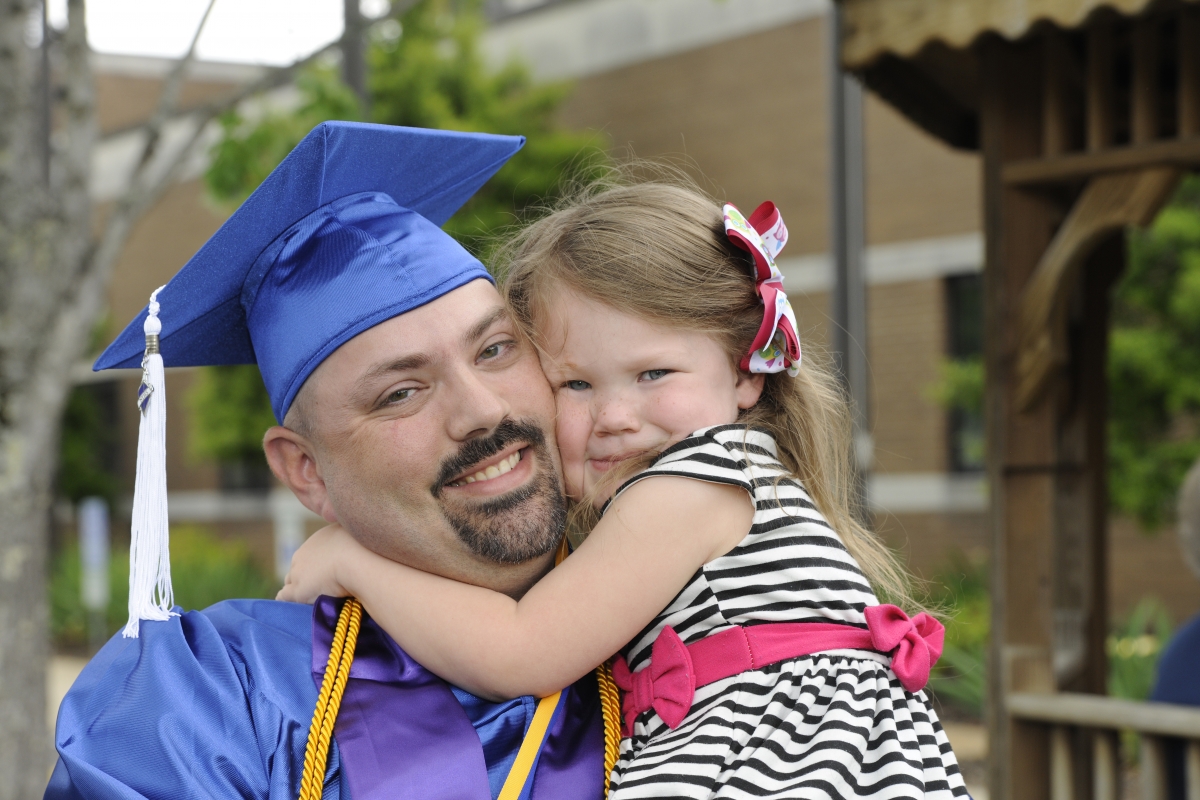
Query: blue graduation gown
(217,703)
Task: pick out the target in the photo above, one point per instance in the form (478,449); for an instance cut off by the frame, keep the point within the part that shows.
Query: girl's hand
(315,565)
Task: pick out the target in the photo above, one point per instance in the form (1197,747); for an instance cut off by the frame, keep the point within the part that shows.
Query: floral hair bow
(776,347)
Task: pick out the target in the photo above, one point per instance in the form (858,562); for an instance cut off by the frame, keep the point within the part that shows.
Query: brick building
(737,88)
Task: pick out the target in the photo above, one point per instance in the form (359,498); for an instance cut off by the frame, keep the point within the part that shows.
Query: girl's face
(625,387)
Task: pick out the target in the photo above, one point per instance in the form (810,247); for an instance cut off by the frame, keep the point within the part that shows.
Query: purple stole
(402,734)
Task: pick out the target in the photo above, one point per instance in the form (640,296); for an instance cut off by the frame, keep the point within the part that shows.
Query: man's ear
(749,388)
(292,459)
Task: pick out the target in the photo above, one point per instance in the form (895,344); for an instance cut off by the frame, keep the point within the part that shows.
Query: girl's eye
(653,374)
(577,386)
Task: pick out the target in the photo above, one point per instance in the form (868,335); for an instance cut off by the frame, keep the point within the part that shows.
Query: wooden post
(1153,768)
(1189,71)
(1062,765)
(1055,124)
(1106,765)
(1144,124)
(1192,770)
(1100,86)
(1021,448)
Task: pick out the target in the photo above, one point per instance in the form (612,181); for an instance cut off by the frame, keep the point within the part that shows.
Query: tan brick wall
(917,187)
(907,324)
(928,541)
(750,115)
(1144,564)
(124,100)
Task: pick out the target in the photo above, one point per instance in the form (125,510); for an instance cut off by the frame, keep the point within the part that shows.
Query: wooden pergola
(1086,114)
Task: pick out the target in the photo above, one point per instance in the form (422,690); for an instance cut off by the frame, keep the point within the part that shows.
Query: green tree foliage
(229,412)
(1154,363)
(426,71)
(88,435)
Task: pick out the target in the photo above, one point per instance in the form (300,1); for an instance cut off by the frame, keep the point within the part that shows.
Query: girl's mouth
(608,462)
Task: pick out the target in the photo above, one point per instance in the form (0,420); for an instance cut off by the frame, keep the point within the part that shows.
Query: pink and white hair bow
(776,347)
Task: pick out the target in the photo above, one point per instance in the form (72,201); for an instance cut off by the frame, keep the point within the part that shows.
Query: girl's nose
(614,415)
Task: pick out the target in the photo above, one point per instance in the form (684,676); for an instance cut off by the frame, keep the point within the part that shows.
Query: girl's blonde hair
(658,251)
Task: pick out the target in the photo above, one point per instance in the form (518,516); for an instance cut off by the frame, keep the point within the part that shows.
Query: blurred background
(741,94)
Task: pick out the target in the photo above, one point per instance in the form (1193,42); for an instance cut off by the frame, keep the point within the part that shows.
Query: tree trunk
(53,281)
(44,244)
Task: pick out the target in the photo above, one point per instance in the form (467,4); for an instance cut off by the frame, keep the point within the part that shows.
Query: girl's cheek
(572,431)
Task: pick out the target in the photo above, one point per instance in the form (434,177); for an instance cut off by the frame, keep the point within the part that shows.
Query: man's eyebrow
(481,327)
(415,361)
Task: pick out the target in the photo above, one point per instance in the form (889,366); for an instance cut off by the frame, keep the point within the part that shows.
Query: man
(388,357)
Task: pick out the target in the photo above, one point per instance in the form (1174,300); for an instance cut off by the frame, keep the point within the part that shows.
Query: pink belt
(668,683)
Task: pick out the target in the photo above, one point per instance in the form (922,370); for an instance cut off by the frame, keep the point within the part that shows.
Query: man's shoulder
(233,647)
(1177,668)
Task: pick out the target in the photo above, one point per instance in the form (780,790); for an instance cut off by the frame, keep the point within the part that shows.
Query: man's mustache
(477,450)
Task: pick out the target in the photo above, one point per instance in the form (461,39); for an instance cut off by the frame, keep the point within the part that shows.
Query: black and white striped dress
(836,724)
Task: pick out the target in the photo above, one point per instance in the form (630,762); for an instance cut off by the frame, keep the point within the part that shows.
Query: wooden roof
(903,27)
(918,55)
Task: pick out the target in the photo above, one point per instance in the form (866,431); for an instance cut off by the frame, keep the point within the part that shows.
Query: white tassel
(150,595)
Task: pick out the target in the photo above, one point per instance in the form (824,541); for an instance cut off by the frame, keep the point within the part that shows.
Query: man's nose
(615,414)
(477,409)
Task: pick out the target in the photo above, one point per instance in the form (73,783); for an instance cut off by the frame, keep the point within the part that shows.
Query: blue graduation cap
(343,235)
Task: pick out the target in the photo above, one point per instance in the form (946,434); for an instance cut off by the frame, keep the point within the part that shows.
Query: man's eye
(653,374)
(399,395)
(577,386)
(493,351)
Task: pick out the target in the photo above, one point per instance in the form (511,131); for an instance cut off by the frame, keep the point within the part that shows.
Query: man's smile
(503,472)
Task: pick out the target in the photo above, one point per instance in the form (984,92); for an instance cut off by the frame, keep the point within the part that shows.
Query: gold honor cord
(337,673)
(329,700)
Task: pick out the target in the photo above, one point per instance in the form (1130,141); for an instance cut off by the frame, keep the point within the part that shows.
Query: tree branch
(143,191)
(168,99)
(80,101)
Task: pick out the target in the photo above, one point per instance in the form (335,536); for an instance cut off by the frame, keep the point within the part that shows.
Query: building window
(964,370)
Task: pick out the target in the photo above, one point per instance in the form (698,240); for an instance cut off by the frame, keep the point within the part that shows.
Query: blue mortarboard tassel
(150,595)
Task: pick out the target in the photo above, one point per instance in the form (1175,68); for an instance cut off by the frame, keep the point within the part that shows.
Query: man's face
(433,435)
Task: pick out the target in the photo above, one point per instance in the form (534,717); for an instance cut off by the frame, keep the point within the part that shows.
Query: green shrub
(204,570)
(1134,648)
(960,591)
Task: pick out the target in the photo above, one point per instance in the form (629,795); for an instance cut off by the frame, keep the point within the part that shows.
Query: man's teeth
(495,471)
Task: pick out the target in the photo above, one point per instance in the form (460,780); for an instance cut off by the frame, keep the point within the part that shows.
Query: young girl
(754,656)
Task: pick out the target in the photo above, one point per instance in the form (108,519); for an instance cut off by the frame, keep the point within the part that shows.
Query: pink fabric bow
(776,347)
(917,642)
(667,684)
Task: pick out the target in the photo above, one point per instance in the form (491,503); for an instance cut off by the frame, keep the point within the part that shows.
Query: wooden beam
(1110,203)
(1100,86)
(1189,71)
(1106,713)
(1144,122)
(1081,166)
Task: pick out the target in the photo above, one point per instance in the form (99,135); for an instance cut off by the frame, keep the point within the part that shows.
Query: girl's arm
(645,549)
